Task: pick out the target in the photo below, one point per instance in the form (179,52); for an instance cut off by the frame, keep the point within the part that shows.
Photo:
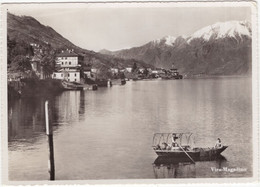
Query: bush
(20,63)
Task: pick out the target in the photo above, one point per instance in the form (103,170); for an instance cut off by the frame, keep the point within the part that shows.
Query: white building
(87,72)
(68,63)
(141,70)
(114,70)
(129,69)
(71,76)
(69,60)
(94,70)
(155,71)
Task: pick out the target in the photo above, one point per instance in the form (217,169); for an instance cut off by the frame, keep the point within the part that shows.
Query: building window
(75,80)
(68,74)
(65,62)
(62,58)
(62,63)
(62,75)
(75,74)
(69,63)
(65,58)
(54,75)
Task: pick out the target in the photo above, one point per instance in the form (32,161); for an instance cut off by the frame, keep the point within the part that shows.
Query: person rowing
(174,142)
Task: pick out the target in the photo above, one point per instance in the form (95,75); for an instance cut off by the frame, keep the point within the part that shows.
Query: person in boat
(174,142)
(218,143)
(164,146)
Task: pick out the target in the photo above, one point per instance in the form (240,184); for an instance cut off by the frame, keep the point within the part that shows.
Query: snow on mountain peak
(233,29)
(168,40)
(157,41)
(223,29)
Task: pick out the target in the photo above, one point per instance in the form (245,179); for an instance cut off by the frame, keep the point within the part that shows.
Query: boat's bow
(223,148)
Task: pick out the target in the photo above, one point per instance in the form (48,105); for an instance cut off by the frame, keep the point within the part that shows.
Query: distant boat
(175,74)
(72,85)
(178,145)
(90,87)
(103,83)
(123,81)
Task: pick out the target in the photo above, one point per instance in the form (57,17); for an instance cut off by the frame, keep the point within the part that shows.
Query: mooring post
(50,143)
(108,83)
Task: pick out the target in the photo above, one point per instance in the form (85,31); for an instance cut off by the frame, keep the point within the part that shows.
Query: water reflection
(82,103)
(88,125)
(26,119)
(168,167)
(68,106)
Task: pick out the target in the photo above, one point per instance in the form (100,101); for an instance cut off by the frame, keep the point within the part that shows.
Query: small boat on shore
(180,145)
(119,81)
(72,85)
(90,87)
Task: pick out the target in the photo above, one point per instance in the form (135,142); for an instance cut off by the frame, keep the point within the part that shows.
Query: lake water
(107,134)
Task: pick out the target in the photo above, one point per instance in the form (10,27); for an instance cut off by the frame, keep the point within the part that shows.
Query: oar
(186,153)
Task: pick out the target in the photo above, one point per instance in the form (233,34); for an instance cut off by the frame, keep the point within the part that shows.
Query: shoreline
(216,76)
(47,87)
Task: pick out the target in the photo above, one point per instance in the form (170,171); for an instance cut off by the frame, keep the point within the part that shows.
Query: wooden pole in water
(185,153)
(50,143)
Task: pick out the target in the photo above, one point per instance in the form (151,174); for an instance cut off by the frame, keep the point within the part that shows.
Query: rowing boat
(180,145)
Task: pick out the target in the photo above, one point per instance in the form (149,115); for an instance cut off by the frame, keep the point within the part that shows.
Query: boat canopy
(183,139)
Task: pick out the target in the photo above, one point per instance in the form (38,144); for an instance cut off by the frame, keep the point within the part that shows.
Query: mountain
(26,28)
(219,49)
(231,29)
(24,31)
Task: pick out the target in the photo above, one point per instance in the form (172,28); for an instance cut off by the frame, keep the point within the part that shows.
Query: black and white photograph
(130,91)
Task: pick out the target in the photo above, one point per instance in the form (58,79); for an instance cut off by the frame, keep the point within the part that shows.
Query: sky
(114,27)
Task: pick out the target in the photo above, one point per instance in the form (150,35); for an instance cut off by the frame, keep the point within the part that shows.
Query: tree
(146,72)
(10,46)
(48,65)
(15,48)
(134,68)
(29,50)
(20,63)
(122,75)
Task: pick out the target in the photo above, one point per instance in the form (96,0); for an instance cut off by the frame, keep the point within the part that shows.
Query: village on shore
(72,74)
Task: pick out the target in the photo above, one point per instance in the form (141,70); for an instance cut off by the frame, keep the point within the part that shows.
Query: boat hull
(177,154)
(196,153)
(162,160)
(211,152)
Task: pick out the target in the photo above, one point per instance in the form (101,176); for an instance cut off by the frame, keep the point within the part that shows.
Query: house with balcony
(68,65)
